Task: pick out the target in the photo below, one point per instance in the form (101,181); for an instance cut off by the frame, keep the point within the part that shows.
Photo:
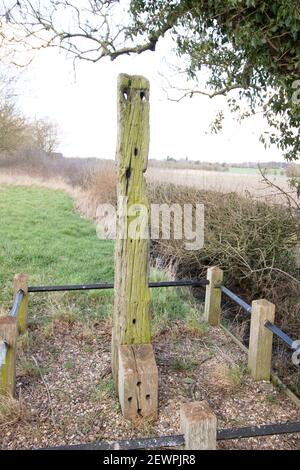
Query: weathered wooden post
(21,283)
(261,339)
(213,295)
(199,425)
(8,335)
(133,363)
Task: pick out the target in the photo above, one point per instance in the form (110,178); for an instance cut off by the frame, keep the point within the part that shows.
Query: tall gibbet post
(21,283)
(261,339)
(213,295)
(133,363)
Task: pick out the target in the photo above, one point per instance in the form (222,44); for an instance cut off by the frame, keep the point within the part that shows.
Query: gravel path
(68,396)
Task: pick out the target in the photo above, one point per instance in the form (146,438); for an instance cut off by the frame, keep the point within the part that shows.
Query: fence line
(236,299)
(280,334)
(83,287)
(178,440)
(203,434)
(262,325)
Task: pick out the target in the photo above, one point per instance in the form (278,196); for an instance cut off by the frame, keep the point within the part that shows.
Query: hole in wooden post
(125,94)
(138,384)
(148,397)
(136,151)
(143,95)
(139,411)
(128,173)
(134,321)
(130,399)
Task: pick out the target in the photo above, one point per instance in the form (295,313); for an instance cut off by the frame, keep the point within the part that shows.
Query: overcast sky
(84,106)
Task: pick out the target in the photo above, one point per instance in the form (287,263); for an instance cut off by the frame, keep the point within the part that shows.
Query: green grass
(42,235)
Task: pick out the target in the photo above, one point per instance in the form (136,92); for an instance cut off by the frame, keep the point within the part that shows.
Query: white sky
(84,106)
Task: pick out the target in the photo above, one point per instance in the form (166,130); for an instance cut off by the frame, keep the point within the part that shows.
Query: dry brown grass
(100,189)
(293,170)
(8,178)
(230,376)
(12,411)
(222,182)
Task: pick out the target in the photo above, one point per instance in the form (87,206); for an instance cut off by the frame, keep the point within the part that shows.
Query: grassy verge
(41,234)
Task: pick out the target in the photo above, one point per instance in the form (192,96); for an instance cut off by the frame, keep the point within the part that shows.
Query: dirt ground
(68,398)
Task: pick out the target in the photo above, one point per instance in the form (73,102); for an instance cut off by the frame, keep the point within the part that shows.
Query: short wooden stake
(212,310)
(138,381)
(260,345)
(8,333)
(199,426)
(21,283)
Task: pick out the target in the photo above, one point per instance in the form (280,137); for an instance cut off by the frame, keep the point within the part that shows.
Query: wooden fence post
(134,369)
(260,344)
(199,426)
(213,295)
(8,333)
(21,283)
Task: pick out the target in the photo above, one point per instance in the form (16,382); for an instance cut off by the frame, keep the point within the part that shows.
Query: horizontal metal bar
(283,336)
(182,283)
(178,440)
(3,352)
(257,431)
(78,287)
(69,287)
(133,444)
(17,302)
(236,299)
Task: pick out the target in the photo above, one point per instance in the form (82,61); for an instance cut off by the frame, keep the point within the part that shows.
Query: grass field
(42,235)
(226,182)
(254,171)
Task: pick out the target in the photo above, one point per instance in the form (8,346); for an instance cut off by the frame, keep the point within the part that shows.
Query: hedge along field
(255,244)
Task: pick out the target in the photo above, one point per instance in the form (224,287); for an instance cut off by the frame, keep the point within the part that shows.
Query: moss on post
(131,322)
(8,333)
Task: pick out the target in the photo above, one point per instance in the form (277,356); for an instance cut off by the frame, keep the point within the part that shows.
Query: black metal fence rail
(283,336)
(178,440)
(236,299)
(103,286)
(17,303)
(270,326)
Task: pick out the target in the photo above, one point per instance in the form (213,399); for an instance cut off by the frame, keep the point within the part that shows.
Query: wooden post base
(199,426)
(138,381)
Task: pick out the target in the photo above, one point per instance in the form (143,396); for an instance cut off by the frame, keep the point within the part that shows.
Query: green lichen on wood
(131,322)
(8,333)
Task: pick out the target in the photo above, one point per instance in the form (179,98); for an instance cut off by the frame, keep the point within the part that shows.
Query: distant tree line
(18,131)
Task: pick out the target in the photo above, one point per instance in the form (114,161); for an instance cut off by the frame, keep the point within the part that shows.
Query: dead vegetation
(12,412)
